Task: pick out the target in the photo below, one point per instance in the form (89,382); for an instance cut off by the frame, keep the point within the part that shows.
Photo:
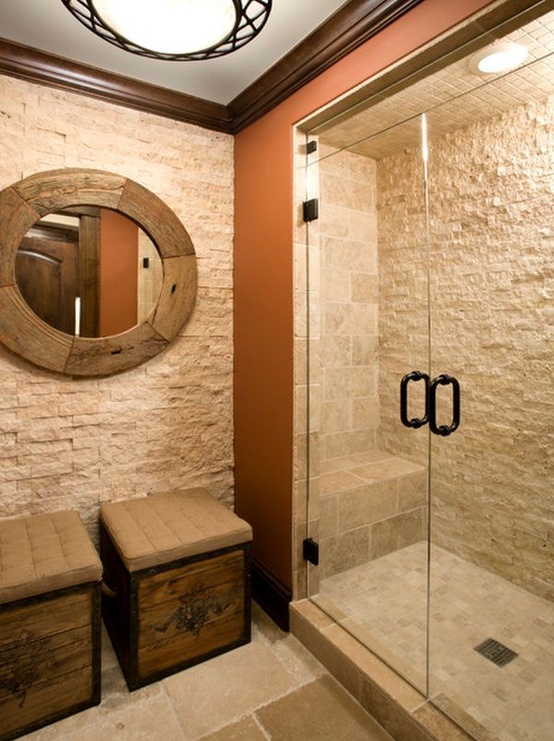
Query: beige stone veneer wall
(491,284)
(77,442)
(364,502)
(349,304)
(492,289)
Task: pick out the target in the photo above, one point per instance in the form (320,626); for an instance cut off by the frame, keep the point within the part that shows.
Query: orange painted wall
(263,262)
(118,273)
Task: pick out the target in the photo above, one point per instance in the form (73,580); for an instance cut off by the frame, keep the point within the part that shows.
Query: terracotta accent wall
(168,423)
(118,272)
(266,472)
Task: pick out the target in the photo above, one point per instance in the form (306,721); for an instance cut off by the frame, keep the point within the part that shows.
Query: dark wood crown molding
(351,26)
(347,29)
(46,69)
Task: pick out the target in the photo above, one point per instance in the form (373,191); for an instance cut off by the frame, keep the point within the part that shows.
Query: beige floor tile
(383,603)
(218,699)
(153,719)
(147,716)
(319,711)
(216,693)
(245,730)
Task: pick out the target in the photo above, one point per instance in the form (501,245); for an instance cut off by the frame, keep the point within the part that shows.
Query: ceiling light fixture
(176,30)
(497,58)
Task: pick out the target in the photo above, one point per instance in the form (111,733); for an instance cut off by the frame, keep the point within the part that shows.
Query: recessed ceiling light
(497,58)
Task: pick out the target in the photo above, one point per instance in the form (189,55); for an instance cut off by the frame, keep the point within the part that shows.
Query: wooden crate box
(177,582)
(49,621)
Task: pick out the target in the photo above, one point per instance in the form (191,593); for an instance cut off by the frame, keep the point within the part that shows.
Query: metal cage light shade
(175,30)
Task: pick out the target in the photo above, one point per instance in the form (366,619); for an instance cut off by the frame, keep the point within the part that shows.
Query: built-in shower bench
(370,504)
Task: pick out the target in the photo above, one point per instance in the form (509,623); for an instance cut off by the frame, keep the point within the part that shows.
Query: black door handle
(415,422)
(444,380)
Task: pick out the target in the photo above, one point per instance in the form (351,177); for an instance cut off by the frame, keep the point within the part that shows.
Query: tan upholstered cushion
(43,553)
(164,527)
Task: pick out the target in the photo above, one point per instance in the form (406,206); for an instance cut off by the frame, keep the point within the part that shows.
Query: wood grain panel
(23,622)
(190,611)
(49,659)
(45,701)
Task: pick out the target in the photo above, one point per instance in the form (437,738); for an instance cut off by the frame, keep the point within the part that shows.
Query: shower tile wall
(492,286)
(349,305)
(370,501)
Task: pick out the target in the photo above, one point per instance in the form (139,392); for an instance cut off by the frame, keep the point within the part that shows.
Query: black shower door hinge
(310,210)
(310,551)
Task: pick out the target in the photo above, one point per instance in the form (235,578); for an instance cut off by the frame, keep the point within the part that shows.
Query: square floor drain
(496,652)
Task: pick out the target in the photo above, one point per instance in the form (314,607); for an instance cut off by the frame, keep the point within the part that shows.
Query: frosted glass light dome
(169,26)
(498,58)
(173,30)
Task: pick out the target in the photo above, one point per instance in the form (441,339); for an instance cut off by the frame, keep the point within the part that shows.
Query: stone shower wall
(168,423)
(492,289)
(370,502)
(349,308)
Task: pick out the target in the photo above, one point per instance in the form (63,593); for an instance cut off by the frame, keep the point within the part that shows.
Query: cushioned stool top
(43,553)
(165,527)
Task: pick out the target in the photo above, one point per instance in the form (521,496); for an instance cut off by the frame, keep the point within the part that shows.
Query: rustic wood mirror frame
(25,334)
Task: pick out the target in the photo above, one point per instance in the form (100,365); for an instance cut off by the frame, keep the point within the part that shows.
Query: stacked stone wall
(492,295)
(168,423)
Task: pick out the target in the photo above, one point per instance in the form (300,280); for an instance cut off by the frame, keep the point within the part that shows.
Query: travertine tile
(216,693)
(247,729)
(335,482)
(322,710)
(344,550)
(396,532)
(108,440)
(367,504)
(384,604)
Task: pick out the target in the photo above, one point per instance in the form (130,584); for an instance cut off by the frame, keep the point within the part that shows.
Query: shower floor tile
(384,602)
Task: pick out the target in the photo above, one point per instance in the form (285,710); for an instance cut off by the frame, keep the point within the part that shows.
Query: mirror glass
(91,319)
(89,271)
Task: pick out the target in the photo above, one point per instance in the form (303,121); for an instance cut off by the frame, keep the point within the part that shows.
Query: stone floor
(271,689)
(384,604)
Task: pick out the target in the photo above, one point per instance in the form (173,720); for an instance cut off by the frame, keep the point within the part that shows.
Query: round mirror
(89,271)
(97,274)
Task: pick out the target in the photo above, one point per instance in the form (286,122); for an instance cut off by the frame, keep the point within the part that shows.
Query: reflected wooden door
(47,276)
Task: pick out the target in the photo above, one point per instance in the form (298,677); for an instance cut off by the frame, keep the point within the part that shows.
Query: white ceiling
(48,26)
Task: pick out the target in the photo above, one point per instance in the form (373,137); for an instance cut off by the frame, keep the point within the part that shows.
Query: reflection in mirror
(89,271)
(58,191)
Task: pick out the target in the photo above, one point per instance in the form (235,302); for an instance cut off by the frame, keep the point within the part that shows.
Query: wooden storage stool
(49,621)
(177,581)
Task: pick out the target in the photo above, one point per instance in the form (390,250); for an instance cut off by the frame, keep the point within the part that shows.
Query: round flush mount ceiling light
(498,58)
(177,30)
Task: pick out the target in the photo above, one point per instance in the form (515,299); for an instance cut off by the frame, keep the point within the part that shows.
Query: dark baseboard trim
(271,594)
(346,29)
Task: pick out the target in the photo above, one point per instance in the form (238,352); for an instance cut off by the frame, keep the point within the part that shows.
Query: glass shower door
(436,260)
(491,660)
(368,330)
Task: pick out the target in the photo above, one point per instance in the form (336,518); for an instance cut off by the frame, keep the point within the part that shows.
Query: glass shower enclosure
(430,373)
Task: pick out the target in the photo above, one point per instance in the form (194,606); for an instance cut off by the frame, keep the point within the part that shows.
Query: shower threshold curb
(394,703)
